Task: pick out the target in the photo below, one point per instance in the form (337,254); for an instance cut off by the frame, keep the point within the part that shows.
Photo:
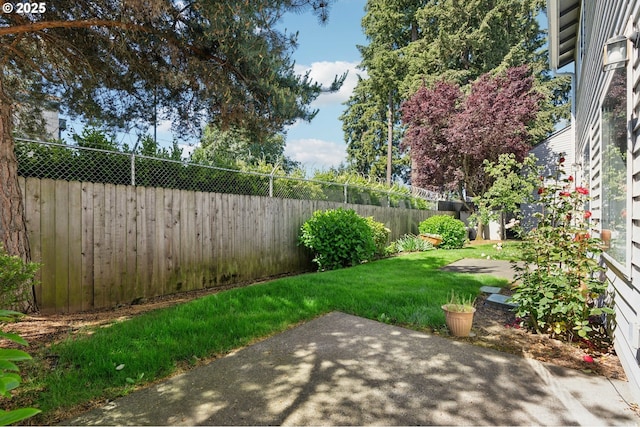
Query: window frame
(624,268)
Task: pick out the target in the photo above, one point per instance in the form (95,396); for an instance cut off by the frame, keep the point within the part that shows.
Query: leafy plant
(459,303)
(514,184)
(452,231)
(559,287)
(339,238)
(380,235)
(15,277)
(410,243)
(9,377)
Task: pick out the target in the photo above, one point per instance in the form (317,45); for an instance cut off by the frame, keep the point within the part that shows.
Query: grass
(406,290)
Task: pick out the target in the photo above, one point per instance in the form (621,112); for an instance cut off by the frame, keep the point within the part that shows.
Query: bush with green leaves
(9,371)
(452,230)
(380,235)
(338,238)
(16,276)
(559,290)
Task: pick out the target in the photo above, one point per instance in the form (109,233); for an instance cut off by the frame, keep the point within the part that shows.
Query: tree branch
(44,25)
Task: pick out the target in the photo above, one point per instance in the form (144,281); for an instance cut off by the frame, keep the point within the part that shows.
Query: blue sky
(327,50)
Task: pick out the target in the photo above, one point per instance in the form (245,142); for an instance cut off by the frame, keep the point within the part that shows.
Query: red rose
(582,190)
(565,194)
(562,159)
(570,178)
(587,358)
(587,215)
(540,190)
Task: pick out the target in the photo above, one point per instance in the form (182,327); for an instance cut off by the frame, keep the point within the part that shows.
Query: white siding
(600,21)
(548,153)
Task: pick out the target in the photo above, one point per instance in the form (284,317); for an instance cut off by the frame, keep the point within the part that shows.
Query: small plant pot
(458,322)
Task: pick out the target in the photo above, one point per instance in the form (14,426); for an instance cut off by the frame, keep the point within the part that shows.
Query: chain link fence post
(346,192)
(133,169)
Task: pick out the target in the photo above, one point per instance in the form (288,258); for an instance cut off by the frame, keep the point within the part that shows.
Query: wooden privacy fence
(102,245)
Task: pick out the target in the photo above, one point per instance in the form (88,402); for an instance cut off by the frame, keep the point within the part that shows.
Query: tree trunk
(13,227)
(480,233)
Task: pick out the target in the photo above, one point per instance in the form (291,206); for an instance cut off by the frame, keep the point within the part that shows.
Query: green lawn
(406,290)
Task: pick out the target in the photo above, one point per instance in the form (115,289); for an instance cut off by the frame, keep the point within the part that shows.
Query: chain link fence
(57,161)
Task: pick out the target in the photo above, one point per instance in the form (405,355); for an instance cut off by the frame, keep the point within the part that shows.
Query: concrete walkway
(344,370)
(493,267)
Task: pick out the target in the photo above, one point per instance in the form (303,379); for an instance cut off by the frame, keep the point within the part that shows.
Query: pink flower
(565,194)
(587,358)
(587,215)
(582,190)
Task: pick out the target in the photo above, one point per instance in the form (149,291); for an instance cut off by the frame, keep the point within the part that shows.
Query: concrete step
(501,301)
(490,290)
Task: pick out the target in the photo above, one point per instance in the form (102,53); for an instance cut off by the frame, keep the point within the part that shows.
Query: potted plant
(459,315)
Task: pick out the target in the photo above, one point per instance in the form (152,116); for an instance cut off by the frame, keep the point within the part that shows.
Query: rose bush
(559,286)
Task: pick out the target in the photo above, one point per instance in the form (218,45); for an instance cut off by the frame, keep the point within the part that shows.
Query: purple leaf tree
(450,134)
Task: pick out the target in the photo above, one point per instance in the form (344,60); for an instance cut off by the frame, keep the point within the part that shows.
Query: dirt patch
(498,329)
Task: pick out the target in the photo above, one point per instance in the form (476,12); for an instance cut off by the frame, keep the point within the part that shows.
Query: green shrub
(380,235)
(9,372)
(15,277)
(452,230)
(338,238)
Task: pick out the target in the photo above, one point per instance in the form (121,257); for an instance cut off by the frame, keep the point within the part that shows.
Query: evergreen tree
(199,62)
(413,43)
(234,148)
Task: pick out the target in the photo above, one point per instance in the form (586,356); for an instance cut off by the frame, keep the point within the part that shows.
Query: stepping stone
(490,289)
(501,301)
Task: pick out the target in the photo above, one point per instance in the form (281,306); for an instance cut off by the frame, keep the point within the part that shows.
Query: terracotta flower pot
(459,322)
(605,235)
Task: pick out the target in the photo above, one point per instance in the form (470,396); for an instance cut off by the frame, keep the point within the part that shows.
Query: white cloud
(316,153)
(324,72)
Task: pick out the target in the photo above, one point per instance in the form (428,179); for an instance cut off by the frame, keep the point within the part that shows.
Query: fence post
(133,169)
(271,180)
(346,191)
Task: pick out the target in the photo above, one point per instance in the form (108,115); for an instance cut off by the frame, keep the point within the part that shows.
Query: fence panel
(102,245)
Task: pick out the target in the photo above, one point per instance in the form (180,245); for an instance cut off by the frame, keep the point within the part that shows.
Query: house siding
(600,21)
(547,154)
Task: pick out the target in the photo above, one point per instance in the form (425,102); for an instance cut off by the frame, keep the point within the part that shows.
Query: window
(614,168)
